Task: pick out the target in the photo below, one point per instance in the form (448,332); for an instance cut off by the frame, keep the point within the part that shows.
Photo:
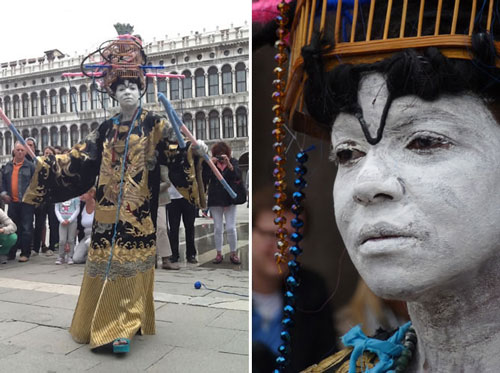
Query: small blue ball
(197,285)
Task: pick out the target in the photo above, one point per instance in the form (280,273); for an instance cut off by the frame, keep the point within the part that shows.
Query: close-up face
(418,211)
(264,245)
(127,94)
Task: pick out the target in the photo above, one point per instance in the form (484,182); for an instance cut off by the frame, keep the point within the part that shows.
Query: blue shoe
(119,347)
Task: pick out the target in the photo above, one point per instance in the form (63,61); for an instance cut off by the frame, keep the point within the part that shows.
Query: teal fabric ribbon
(385,350)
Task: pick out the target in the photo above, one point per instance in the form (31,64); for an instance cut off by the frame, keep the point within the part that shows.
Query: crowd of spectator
(28,224)
(70,223)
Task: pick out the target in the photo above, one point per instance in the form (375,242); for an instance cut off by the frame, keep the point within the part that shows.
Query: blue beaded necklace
(292,281)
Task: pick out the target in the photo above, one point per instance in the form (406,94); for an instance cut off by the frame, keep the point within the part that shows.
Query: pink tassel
(265,11)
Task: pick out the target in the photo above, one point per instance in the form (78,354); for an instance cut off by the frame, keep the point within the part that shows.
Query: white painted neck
(458,326)
(128,112)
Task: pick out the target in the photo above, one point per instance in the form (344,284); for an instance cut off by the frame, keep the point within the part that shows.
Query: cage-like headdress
(364,31)
(123,58)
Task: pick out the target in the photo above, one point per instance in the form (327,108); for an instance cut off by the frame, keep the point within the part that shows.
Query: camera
(219,158)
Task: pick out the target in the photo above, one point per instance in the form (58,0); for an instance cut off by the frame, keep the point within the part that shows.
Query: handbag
(241,192)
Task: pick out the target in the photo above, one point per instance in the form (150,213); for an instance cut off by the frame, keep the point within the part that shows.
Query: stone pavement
(203,330)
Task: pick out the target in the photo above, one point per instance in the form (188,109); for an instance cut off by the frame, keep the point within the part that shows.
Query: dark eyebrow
(422,115)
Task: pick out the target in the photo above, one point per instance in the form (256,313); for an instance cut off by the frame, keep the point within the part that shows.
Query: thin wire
(101,98)
(339,272)
(222,291)
(113,239)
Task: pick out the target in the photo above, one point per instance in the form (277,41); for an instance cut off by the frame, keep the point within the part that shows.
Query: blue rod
(177,124)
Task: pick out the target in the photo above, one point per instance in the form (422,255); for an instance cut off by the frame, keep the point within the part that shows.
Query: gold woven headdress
(126,58)
(121,58)
(370,31)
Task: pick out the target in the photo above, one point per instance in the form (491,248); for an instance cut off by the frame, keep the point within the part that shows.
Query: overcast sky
(29,28)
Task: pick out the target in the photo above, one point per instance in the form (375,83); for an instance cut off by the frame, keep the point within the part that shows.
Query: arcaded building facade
(212,99)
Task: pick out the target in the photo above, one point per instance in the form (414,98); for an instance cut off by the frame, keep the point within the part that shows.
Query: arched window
(16,106)
(227,80)
(34,134)
(73,135)
(162,86)
(8,143)
(84,131)
(53,101)
(26,105)
(7,109)
(45,138)
(53,136)
(199,77)
(227,124)
(1,144)
(25,133)
(214,124)
(187,119)
(73,99)
(83,98)
(213,81)
(241,77)
(201,128)
(34,104)
(150,91)
(93,126)
(94,99)
(64,137)
(1,104)
(241,122)
(187,84)
(43,103)
(174,88)
(63,98)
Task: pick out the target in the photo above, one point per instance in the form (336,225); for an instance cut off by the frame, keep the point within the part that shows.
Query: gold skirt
(116,307)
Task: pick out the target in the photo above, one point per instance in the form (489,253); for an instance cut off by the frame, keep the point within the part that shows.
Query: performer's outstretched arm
(65,176)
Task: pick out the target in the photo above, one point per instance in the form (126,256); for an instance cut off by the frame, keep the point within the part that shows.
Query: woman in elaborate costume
(121,157)
(409,95)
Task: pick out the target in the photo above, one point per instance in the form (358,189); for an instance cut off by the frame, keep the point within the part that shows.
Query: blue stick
(174,119)
(177,124)
(16,133)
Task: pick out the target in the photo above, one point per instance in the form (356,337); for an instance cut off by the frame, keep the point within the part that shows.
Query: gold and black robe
(116,297)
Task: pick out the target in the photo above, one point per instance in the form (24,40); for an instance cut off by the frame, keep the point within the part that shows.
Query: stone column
(155,87)
(235,125)
(206,84)
(219,77)
(30,114)
(167,92)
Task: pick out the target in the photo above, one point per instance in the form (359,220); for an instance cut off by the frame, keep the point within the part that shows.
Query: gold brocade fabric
(116,297)
(110,309)
(339,363)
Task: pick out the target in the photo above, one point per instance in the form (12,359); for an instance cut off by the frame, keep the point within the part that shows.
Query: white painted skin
(420,217)
(127,95)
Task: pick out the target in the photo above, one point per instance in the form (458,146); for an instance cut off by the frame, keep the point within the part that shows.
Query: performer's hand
(65,222)
(1,230)
(201,148)
(6,198)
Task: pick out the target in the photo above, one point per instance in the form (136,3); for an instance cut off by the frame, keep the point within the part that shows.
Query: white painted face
(419,211)
(127,94)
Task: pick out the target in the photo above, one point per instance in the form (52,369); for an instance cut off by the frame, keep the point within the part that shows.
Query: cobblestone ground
(198,330)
